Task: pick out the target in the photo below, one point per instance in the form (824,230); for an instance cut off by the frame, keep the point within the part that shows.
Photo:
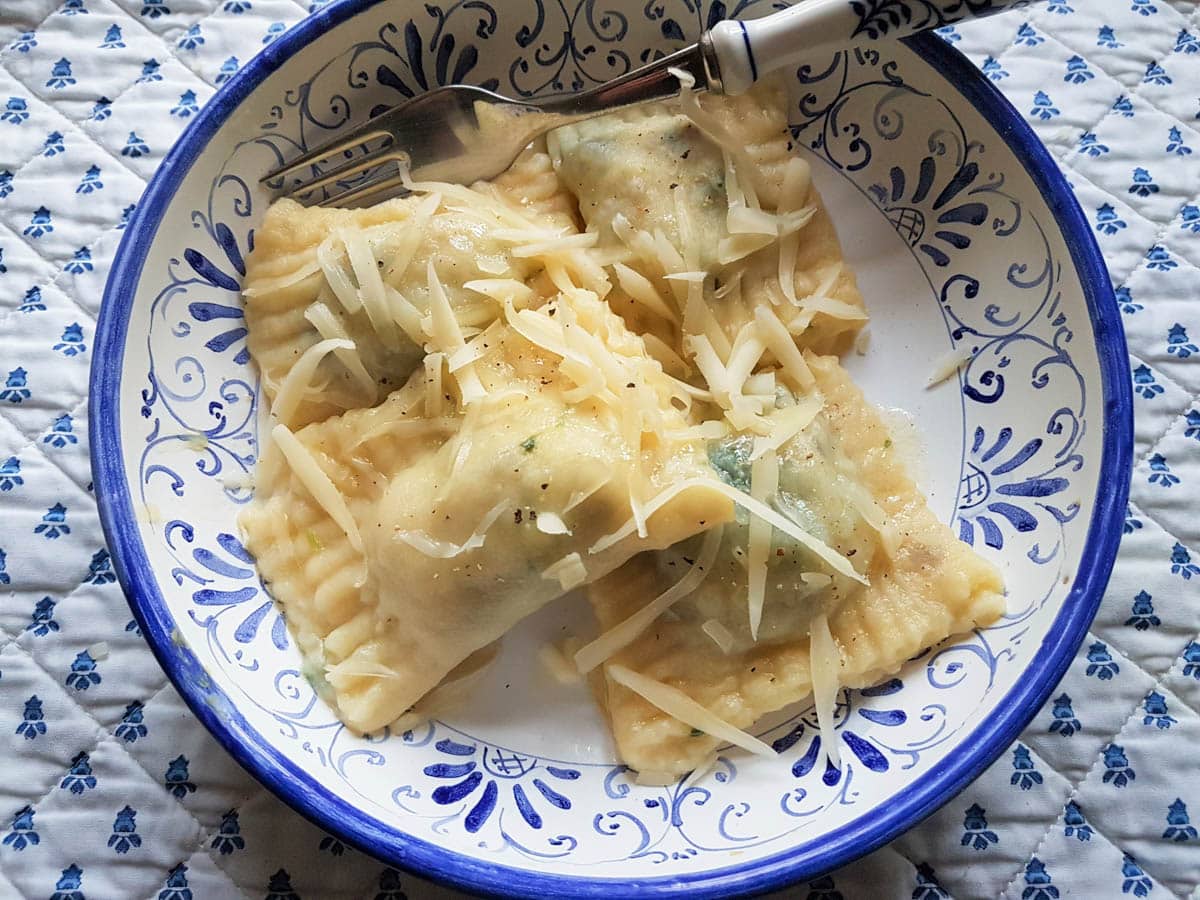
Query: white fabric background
(110,789)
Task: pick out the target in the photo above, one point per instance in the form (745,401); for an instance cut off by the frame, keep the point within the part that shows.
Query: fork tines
(374,190)
(309,177)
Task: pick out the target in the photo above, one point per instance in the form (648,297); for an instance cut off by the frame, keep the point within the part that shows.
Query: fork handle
(746,51)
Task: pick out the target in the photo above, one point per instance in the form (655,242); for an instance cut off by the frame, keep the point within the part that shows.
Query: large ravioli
(645,165)
(532,475)
(283,280)
(923,589)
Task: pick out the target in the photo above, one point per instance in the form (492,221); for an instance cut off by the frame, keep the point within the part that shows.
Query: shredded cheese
(654,779)
(370,286)
(270,285)
(835,309)
(404,314)
(797,178)
(476,348)
(407,427)
(948,364)
(711,430)
(430,546)
(786,423)
(339,282)
(712,370)
(639,287)
(825,661)
(551,523)
(783,347)
(569,571)
(744,220)
(555,245)
(824,552)
(761,384)
(692,277)
(447,337)
(764,482)
(300,376)
(321,317)
(503,290)
(580,496)
(666,357)
(305,467)
(721,636)
(555,662)
(623,634)
(678,705)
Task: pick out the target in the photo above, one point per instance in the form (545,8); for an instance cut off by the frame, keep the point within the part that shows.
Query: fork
(463,134)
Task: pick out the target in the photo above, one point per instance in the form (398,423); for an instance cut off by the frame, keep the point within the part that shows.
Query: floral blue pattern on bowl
(964,237)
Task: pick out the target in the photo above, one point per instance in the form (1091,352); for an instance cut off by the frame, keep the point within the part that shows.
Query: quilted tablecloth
(110,789)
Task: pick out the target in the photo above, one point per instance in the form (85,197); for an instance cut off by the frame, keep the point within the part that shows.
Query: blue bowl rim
(249,747)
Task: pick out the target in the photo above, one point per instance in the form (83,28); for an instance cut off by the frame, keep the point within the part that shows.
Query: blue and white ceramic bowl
(963,235)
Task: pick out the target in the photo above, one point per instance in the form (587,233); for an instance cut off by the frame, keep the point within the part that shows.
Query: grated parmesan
(624,633)
(300,375)
(826,553)
(797,179)
(639,287)
(721,636)
(321,317)
(336,277)
(570,571)
(551,523)
(370,286)
(786,424)
(316,482)
(430,546)
(447,336)
(291,279)
(764,482)
(503,290)
(946,365)
(678,705)
(825,661)
(555,661)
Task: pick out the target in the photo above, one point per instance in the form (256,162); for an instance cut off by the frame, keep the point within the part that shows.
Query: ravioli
(660,173)
(301,258)
(472,521)
(923,589)
(476,407)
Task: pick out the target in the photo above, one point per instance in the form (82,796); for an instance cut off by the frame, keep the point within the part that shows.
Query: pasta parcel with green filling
(609,369)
